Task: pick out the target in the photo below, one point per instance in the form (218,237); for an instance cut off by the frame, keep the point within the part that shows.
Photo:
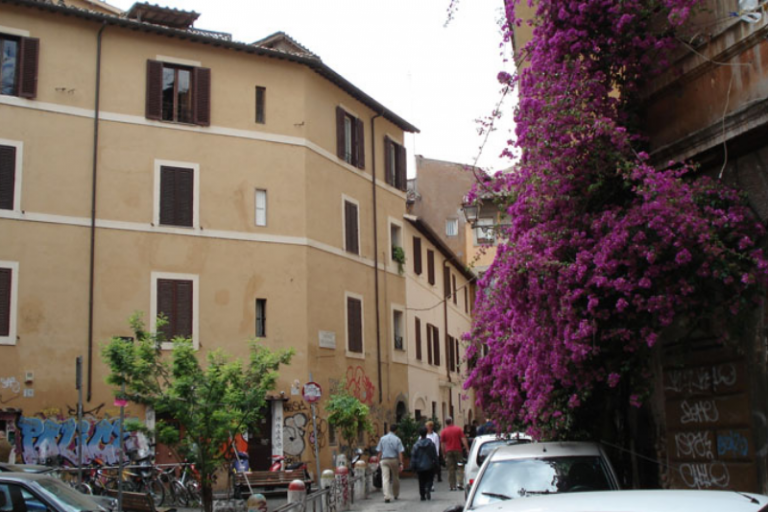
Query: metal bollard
(256,503)
(297,492)
(326,479)
(359,490)
(342,482)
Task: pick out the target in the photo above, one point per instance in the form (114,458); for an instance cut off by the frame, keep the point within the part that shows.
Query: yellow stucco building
(244,190)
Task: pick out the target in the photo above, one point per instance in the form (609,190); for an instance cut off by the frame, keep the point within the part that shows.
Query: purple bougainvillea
(604,250)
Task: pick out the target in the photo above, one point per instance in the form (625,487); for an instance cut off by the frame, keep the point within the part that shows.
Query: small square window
(452,227)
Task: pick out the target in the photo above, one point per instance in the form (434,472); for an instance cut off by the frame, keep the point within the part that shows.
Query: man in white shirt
(435,438)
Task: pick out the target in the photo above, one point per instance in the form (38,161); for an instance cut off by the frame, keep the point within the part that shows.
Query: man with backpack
(424,461)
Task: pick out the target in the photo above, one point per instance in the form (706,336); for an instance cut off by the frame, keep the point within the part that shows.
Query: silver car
(482,446)
(35,492)
(522,470)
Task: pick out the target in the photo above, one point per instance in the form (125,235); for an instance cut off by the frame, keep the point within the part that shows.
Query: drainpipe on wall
(93,208)
(376,253)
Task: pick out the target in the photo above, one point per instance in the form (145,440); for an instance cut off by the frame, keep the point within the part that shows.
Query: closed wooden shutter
(418,339)
(466,298)
(388,161)
(431,266)
(360,143)
(29,54)
(355,325)
(177,196)
(5,301)
(400,179)
(417,256)
(436,342)
(350,228)
(429,344)
(174,300)
(458,354)
(7,176)
(449,352)
(201,79)
(453,288)
(154,98)
(340,148)
(446,282)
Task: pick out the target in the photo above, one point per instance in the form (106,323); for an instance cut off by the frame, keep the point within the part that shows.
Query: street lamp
(471,212)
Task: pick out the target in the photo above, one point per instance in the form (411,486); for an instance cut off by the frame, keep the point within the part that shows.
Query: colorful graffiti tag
(44,439)
(359,385)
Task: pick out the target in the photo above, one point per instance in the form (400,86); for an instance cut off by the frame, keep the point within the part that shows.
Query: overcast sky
(398,51)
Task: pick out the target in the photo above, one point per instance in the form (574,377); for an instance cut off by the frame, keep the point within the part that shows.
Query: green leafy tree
(349,415)
(212,402)
(408,431)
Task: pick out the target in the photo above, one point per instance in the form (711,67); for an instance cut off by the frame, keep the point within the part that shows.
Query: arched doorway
(400,411)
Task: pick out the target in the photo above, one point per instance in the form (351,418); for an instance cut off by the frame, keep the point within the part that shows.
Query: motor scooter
(278,464)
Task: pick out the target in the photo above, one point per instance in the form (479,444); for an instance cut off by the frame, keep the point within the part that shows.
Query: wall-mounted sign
(327,339)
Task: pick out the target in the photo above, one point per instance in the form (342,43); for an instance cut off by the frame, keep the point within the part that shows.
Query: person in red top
(451,441)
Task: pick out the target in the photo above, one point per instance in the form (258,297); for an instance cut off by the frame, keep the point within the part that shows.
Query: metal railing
(329,499)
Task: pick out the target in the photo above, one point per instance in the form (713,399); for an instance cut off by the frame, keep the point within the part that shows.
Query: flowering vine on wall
(604,250)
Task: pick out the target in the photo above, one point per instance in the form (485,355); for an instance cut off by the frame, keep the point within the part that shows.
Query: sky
(439,78)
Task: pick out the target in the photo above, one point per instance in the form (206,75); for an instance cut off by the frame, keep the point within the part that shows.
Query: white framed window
(177,296)
(396,241)
(452,227)
(11,156)
(261,207)
(9,293)
(398,328)
(354,325)
(350,214)
(177,194)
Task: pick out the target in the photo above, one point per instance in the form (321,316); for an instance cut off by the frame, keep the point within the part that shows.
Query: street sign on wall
(312,392)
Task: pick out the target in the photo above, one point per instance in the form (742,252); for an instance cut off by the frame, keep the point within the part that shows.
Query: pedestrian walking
(424,461)
(390,449)
(5,448)
(452,439)
(435,438)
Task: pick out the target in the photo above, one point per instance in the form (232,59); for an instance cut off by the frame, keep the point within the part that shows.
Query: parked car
(41,493)
(482,446)
(534,469)
(24,468)
(637,501)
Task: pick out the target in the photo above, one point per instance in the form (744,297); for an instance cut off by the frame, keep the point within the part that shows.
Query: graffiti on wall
(43,439)
(294,429)
(322,434)
(9,386)
(359,385)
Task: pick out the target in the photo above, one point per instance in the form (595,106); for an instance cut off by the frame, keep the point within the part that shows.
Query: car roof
(635,501)
(546,450)
(506,437)
(24,476)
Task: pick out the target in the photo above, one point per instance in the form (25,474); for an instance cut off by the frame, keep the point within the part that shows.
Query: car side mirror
(455,508)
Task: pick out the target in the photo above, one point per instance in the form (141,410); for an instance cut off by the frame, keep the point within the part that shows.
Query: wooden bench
(267,480)
(138,502)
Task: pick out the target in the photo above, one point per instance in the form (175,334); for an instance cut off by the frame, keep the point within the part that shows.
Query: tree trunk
(207,492)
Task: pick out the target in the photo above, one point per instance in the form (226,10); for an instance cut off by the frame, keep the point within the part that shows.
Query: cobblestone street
(442,498)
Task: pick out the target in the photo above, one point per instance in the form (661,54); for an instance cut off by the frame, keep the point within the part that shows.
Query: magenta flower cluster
(604,251)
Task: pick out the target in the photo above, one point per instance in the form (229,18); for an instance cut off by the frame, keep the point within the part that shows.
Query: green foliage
(408,431)
(349,415)
(213,402)
(398,255)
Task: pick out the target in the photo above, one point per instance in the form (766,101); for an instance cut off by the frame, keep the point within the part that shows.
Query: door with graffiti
(260,441)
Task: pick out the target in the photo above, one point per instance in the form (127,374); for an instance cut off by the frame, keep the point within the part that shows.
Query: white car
(523,470)
(637,501)
(482,446)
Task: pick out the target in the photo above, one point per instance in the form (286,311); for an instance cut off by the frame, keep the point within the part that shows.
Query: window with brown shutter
(418,339)
(466,298)
(430,344)
(261,98)
(18,73)
(351,228)
(354,325)
(436,343)
(453,287)
(177,192)
(350,138)
(179,94)
(6,276)
(401,183)
(174,300)
(417,255)
(431,266)
(7,177)
(446,282)
(395,164)
(458,355)
(261,318)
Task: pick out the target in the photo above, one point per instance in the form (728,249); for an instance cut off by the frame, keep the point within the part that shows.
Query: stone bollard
(297,492)
(326,479)
(256,503)
(342,483)
(360,487)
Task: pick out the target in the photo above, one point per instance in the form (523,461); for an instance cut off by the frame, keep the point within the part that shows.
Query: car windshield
(487,447)
(510,479)
(66,497)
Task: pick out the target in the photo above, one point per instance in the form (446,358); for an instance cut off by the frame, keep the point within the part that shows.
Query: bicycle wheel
(156,490)
(179,494)
(195,495)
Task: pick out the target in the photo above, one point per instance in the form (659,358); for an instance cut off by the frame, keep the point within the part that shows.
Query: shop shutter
(355,325)
(5,301)
(417,256)
(154,98)
(29,53)
(201,78)
(7,176)
(340,133)
(360,143)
